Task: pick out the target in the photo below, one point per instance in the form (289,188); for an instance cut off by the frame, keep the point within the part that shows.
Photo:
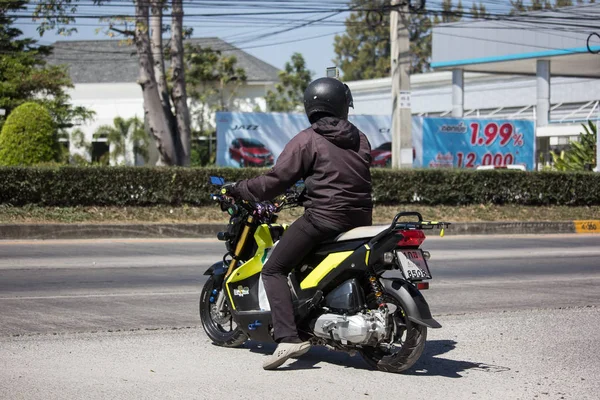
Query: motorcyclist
(333,158)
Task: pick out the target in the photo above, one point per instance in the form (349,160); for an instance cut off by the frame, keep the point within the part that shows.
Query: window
(385,147)
(100,152)
(251,143)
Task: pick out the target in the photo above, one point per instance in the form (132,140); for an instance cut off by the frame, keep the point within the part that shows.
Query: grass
(185,214)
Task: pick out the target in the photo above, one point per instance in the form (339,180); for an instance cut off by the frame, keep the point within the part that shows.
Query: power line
(131,53)
(488,40)
(570,22)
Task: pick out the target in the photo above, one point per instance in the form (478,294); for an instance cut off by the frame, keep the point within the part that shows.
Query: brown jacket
(333,158)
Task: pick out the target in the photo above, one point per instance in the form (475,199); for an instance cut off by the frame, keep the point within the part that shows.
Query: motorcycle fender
(414,303)
(217,269)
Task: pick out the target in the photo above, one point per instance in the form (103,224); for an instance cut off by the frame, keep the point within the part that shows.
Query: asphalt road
(118,319)
(78,286)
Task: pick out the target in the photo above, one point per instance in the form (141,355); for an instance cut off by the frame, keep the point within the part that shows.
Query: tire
(410,336)
(216,330)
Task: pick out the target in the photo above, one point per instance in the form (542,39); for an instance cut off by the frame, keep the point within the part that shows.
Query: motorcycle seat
(362,232)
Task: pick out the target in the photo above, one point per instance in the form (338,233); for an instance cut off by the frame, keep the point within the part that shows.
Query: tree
(29,137)
(77,139)
(212,82)
(125,135)
(212,78)
(363,52)
(581,155)
(171,130)
(449,12)
(288,94)
(25,77)
(478,11)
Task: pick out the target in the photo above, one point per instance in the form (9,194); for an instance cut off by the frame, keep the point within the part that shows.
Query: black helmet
(327,96)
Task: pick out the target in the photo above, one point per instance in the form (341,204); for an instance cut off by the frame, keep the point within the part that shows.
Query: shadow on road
(429,364)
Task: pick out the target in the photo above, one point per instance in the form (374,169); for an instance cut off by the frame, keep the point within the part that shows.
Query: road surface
(118,319)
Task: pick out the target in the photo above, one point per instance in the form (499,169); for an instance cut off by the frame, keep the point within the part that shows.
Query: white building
(573,100)
(105,73)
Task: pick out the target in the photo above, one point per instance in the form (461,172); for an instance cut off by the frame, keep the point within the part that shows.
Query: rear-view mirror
(217,180)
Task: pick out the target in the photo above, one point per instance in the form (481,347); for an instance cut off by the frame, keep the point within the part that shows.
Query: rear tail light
(411,238)
(423,285)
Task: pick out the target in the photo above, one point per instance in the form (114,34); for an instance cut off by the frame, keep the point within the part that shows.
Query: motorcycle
(342,297)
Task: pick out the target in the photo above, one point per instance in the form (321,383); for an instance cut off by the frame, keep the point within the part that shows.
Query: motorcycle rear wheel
(409,342)
(216,325)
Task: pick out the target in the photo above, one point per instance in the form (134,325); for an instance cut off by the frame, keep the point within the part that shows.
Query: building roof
(513,44)
(111,61)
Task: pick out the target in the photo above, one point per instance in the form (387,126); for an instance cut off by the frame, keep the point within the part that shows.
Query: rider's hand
(229,190)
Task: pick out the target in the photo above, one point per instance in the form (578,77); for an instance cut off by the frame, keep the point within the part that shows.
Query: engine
(363,328)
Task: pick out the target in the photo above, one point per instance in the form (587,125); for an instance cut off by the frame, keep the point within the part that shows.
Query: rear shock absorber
(378,291)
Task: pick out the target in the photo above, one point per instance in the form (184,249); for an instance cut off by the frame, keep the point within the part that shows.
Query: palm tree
(581,155)
(125,132)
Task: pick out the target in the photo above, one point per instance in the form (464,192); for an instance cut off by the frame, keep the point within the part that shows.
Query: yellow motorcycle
(340,297)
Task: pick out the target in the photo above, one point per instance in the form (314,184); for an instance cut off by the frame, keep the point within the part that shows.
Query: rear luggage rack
(423,225)
(409,225)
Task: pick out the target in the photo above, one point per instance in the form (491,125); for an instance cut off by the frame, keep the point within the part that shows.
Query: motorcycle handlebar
(250,206)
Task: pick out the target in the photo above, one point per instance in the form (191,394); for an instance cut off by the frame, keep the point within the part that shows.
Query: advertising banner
(469,143)
(257,139)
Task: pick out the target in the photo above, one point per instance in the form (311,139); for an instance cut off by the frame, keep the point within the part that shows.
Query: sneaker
(285,351)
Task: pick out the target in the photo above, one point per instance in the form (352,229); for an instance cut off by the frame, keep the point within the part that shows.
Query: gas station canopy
(567,37)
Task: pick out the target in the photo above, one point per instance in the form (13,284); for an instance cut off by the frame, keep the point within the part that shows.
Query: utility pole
(402,153)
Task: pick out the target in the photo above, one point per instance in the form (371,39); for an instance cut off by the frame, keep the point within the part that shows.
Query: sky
(271,30)
(314,42)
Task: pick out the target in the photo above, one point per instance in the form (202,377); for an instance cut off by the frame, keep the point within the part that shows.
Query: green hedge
(134,186)
(462,187)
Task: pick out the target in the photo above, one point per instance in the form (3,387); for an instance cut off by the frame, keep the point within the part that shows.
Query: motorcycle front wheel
(406,345)
(219,326)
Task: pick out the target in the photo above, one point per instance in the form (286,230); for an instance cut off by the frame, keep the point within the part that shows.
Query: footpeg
(254,325)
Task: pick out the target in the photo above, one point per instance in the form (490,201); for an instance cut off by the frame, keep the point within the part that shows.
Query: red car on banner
(250,153)
(382,155)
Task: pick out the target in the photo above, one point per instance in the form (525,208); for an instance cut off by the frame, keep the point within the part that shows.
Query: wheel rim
(213,320)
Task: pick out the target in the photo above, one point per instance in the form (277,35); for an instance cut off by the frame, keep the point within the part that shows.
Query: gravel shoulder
(533,354)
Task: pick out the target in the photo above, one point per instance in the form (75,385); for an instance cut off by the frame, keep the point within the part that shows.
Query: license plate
(413,265)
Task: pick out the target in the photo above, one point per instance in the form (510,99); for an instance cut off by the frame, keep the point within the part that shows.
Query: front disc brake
(219,317)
